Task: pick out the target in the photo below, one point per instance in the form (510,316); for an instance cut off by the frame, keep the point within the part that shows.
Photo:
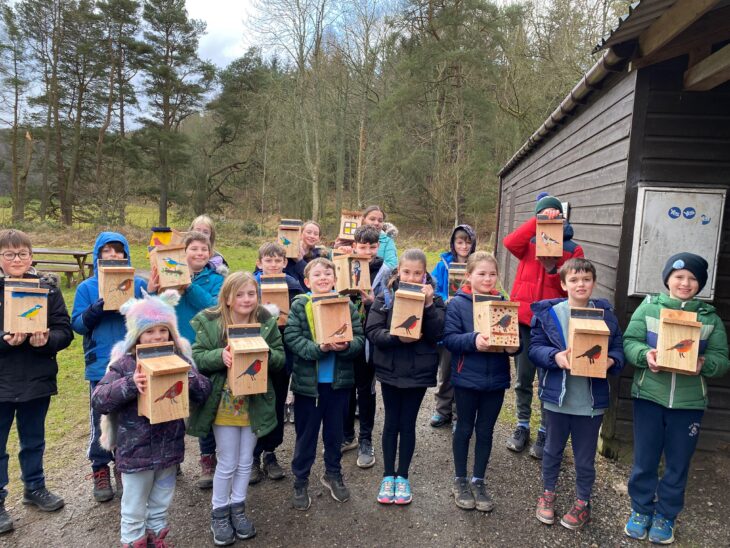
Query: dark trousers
(30,417)
(362,395)
(207,444)
(399,427)
(583,433)
(673,433)
(478,411)
(272,440)
(309,413)
(444,395)
(98,456)
(525,380)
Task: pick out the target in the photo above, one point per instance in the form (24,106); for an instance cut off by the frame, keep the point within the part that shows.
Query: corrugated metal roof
(640,16)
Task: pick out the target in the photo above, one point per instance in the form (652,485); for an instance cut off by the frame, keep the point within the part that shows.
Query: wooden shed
(640,151)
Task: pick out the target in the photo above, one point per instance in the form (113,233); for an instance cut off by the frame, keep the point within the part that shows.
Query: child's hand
(548,263)
(550,212)
(15,339)
(140,379)
(339,347)
(700,363)
(367,297)
(651,361)
(227,357)
(511,349)
(39,338)
(407,341)
(326,347)
(563,359)
(428,291)
(609,363)
(182,289)
(153,284)
(482,342)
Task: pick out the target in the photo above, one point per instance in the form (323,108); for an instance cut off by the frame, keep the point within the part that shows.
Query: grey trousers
(444,395)
(525,380)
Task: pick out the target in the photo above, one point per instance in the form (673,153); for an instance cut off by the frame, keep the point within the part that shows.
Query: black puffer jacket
(27,372)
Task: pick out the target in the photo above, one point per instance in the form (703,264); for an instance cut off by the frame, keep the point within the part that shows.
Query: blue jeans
(98,456)
(31,423)
(146,498)
(477,411)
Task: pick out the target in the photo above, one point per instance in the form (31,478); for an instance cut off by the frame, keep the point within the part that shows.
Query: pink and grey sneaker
(386,495)
(577,516)
(403,491)
(545,511)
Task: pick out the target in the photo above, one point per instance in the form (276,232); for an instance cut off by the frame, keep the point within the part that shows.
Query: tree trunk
(107,118)
(23,176)
(18,209)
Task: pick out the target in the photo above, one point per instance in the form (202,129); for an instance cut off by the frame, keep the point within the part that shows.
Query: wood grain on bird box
(275,291)
(496,319)
(349,223)
(166,396)
(549,236)
(116,282)
(172,266)
(678,341)
(290,233)
(26,306)
(588,337)
(457,272)
(249,372)
(352,273)
(332,321)
(408,305)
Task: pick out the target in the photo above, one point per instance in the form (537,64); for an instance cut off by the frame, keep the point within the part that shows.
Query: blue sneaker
(402,491)
(662,530)
(386,495)
(438,420)
(638,526)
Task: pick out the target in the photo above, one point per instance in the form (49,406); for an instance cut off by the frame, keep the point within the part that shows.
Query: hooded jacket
(440,272)
(99,338)
(546,340)
(387,250)
(202,293)
(532,282)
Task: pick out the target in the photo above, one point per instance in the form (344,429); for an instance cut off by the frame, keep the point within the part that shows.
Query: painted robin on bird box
(593,353)
(409,323)
(504,322)
(172,392)
(252,370)
(682,347)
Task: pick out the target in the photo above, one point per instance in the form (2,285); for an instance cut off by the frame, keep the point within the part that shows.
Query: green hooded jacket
(673,390)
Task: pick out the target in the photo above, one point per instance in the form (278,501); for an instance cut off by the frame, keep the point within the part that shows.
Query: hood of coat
(541,309)
(692,305)
(472,236)
(108,237)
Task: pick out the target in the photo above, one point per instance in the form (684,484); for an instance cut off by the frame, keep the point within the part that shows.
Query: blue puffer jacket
(99,338)
(469,367)
(201,294)
(546,340)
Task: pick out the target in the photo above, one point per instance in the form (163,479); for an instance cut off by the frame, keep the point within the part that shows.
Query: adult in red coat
(536,280)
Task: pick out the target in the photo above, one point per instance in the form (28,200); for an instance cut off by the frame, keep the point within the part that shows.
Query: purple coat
(140,445)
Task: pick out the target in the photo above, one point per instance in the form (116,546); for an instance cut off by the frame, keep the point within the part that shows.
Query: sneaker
(207,471)
(577,516)
(118,486)
(546,507)
(301,500)
(519,439)
(103,491)
(453,427)
(287,409)
(438,420)
(220,526)
(365,454)
(256,473)
(537,448)
(482,499)
(272,468)
(463,496)
(348,444)
(158,540)
(6,522)
(662,530)
(403,493)
(291,412)
(337,487)
(43,499)
(241,524)
(638,526)
(386,495)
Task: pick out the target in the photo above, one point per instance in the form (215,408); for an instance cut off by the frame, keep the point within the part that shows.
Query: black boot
(6,522)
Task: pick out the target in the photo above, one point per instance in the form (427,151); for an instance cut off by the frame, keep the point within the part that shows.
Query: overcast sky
(226,38)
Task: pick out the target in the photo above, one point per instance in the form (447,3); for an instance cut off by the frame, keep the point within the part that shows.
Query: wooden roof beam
(676,19)
(710,72)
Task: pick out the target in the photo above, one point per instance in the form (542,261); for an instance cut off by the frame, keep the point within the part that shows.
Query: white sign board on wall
(670,220)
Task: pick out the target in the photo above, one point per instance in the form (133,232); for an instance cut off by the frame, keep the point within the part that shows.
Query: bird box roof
(273,282)
(246,337)
(410,291)
(160,359)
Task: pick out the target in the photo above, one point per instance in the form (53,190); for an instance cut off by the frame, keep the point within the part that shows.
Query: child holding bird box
(573,405)
(480,375)
(405,367)
(668,406)
(237,421)
(146,454)
(28,371)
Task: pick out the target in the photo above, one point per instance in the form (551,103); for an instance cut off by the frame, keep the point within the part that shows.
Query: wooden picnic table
(67,267)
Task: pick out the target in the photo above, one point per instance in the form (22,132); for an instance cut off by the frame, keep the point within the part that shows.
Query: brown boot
(207,470)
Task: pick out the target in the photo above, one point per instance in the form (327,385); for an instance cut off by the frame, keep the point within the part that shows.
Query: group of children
(239,435)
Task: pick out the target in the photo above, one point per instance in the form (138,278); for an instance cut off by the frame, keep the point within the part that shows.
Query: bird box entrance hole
(678,341)
(332,321)
(549,236)
(166,397)
(26,306)
(407,319)
(249,373)
(588,340)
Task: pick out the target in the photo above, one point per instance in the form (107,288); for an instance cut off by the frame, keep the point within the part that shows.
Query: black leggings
(401,411)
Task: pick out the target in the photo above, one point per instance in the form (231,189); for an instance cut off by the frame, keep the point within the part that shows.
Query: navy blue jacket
(546,340)
(469,367)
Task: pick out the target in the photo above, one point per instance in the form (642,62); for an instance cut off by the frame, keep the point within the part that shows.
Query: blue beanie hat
(686,261)
(544,201)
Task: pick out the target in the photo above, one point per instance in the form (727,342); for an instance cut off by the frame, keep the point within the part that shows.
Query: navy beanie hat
(686,261)
(544,201)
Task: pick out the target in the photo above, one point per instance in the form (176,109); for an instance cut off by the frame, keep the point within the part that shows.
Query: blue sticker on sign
(705,219)
(689,213)
(674,212)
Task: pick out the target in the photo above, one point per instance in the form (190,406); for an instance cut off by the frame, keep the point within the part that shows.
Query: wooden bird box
(249,372)
(172,266)
(166,397)
(26,306)
(275,291)
(588,340)
(116,282)
(497,319)
(457,272)
(163,235)
(407,319)
(678,341)
(549,236)
(349,222)
(352,272)
(290,233)
(332,321)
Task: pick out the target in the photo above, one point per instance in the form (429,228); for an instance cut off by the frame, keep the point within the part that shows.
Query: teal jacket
(202,293)
(387,250)
(672,390)
(207,353)
(299,341)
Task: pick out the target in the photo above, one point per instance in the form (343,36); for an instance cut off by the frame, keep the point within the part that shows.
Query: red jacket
(532,282)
